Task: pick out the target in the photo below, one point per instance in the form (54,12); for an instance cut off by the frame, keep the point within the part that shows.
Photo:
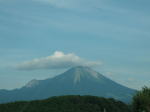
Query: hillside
(67,104)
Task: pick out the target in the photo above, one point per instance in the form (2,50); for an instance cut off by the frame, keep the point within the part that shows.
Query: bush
(141,101)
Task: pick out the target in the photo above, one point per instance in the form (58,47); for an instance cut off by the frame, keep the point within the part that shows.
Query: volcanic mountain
(76,81)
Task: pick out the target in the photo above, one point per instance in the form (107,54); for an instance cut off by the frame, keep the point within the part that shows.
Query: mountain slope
(76,81)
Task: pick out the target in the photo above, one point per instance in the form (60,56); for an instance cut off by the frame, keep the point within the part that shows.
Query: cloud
(58,3)
(58,60)
(74,4)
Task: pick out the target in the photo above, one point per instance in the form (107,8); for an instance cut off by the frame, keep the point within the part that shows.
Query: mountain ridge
(76,81)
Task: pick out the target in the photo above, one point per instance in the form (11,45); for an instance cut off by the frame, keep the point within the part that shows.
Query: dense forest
(67,104)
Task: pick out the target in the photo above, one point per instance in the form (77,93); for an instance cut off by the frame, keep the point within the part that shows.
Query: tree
(141,101)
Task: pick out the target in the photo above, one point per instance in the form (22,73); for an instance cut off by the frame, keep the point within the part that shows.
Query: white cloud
(58,60)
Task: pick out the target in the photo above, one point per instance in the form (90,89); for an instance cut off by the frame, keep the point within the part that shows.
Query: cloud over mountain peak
(58,60)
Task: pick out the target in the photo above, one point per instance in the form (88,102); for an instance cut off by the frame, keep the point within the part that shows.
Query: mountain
(67,104)
(76,81)
(32,83)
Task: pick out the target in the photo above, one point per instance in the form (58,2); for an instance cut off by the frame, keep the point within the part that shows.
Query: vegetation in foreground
(141,101)
(67,104)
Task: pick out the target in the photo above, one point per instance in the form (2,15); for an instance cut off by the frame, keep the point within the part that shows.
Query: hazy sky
(43,38)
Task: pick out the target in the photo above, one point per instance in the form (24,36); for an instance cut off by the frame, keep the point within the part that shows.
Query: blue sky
(113,32)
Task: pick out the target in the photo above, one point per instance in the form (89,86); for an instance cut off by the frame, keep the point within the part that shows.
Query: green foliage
(141,101)
(67,104)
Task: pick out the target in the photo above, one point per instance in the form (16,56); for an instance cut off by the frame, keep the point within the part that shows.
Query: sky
(40,39)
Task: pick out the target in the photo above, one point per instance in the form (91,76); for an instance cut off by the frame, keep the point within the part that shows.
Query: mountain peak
(83,68)
(82,72)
